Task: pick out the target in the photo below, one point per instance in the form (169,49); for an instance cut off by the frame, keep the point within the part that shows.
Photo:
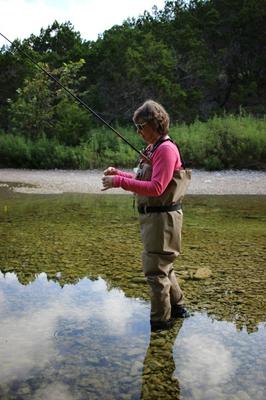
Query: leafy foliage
(199,58)
(41,109)
(221,143)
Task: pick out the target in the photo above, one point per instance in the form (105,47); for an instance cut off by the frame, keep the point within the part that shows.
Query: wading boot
(161,325)
(179,311)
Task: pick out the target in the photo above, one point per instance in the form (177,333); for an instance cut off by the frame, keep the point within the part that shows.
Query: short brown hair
(153,112)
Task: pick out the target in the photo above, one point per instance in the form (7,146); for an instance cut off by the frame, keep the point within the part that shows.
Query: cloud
(206,364)
(2,300)
(27,335)
(26,343)
(89,17)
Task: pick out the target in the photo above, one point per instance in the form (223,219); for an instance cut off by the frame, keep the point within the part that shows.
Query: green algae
(98,235)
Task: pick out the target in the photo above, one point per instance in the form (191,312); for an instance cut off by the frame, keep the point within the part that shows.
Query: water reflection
(74,340)
(159,366)
(213,361)
(88,341)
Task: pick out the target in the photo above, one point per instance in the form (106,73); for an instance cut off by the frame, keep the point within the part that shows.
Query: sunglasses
(140,127)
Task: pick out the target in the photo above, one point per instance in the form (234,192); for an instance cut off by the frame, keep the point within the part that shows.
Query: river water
(74,306)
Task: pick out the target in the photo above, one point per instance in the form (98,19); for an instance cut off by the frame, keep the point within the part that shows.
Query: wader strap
(148,209)
(181,158)
(149,152)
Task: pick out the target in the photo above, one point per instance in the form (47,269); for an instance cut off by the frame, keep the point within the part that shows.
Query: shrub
(221,143)
(14,151)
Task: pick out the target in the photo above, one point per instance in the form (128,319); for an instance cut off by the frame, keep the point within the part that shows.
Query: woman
(160,185)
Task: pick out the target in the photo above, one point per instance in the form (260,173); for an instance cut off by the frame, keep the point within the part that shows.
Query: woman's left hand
(107,182)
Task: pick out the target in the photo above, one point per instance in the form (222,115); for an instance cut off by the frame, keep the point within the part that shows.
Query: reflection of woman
(158,381)
(160,186)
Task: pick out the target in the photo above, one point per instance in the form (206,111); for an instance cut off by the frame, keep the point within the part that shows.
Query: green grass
(228,142)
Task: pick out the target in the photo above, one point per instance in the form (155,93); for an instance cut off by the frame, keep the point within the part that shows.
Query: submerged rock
(203,273)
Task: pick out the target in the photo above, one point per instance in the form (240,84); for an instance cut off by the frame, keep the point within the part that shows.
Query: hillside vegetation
(204,60)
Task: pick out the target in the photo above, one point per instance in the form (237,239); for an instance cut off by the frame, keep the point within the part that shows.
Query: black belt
(157,209)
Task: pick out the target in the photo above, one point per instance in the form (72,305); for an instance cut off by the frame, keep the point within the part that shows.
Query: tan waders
(161,237)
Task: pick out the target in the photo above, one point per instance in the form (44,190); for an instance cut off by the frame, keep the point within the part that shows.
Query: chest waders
(160,224)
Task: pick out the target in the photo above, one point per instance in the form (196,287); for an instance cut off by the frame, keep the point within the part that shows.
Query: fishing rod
(74,97)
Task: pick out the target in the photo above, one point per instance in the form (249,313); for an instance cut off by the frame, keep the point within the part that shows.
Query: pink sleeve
(125,174)
(164,163)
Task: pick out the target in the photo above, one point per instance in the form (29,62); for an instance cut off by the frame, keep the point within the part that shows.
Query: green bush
(221,143)
(14,151)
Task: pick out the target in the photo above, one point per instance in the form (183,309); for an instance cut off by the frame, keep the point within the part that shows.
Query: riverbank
(75,181)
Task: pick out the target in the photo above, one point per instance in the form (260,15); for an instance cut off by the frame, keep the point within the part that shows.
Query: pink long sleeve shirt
(165,160)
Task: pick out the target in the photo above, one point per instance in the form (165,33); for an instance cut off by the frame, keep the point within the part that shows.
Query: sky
(20,18)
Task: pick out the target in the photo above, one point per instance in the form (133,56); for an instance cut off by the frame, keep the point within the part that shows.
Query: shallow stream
(74,306)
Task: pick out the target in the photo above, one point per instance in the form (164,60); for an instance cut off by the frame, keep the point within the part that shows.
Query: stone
(202,273)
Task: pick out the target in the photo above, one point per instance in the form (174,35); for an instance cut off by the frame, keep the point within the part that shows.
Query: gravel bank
(61,181)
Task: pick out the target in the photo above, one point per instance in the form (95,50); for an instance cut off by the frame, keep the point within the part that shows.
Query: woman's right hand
(110,171)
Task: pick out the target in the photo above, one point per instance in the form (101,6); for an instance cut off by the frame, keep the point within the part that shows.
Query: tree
(198,57)
(58,43)
(32,112)
(150,70)
(44,109)
(13,71)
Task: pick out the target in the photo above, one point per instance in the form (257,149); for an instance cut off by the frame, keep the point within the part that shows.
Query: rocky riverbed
(89,181)
(72,290)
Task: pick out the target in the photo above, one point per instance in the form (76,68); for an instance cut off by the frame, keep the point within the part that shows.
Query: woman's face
(148,133)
